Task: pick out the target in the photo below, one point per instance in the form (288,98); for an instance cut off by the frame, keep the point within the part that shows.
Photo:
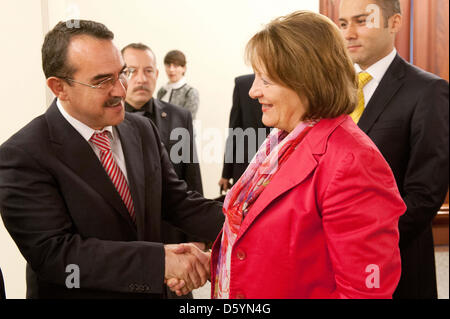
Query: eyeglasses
(106,84)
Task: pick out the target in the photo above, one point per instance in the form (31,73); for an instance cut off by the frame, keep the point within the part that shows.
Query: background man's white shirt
(377,71)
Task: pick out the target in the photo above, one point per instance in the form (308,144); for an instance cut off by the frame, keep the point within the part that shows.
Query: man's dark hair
(176,57)
(57,40)
(389,8)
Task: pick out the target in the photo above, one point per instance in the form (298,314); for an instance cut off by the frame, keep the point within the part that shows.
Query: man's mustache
(141,87)
(114,101)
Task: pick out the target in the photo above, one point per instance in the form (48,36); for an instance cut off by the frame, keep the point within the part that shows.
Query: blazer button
(241,255)
(240,295)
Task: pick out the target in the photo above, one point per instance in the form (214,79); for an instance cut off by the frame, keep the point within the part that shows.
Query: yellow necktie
(363,79)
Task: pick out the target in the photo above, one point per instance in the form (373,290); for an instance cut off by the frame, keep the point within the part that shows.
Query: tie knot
(101,140)
(363,79)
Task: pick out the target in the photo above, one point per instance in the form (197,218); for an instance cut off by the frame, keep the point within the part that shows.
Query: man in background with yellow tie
(405,111)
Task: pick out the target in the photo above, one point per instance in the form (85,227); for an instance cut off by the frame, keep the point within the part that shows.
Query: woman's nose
(254,92)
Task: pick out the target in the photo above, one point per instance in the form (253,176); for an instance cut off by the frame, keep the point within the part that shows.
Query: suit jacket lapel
(292,173)
(132,151)
(163,128)
(389,85)
(73,150)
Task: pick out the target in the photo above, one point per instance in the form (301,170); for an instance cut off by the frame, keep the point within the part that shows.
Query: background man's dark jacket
(407,118)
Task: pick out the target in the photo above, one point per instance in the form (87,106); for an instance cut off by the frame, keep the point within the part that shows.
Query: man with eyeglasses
(84,187)
(174,125)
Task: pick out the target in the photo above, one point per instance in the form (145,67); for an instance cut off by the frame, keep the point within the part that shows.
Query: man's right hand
(188,264)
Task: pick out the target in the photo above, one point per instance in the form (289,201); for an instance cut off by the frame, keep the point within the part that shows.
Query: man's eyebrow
(364,15)
(101,76)
(107,75)
(136,67)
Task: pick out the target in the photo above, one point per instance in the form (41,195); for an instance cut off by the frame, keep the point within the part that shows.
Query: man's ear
(395,23)
(58,87)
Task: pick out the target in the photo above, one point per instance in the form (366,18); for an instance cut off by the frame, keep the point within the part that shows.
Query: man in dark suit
(247,132)
(84,187)
(168,118)
(174,126)
(405,111)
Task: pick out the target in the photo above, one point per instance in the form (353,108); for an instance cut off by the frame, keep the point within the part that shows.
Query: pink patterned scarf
(277,147)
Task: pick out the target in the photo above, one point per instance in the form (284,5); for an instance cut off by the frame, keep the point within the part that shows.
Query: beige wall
(211,33)
(22,98)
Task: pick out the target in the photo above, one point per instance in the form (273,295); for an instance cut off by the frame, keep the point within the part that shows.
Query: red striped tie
(101,140)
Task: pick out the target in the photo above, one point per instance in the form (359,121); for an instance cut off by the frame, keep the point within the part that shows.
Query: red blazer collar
(297,168)
(317,138)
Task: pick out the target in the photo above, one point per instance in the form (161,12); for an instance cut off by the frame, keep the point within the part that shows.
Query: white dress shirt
(377,71)
(86,132)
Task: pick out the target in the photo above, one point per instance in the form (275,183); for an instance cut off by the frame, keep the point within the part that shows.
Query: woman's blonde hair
(305,52)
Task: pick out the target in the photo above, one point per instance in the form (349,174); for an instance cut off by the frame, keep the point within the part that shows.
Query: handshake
(187,268)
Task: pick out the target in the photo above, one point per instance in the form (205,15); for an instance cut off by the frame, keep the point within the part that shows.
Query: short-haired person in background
(247,132)
(404,110)
(315,214)
(177,91)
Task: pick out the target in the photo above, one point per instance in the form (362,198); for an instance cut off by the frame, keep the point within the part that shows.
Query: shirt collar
(378,69)
(173,86)
(147,107)
(82,128)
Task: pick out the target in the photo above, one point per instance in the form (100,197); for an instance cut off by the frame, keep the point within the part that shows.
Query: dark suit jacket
(407,118)
(167,118)
(61,208)
(2,287)
(246,113)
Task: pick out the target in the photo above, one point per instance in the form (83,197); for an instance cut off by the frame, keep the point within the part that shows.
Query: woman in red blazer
(315,214)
